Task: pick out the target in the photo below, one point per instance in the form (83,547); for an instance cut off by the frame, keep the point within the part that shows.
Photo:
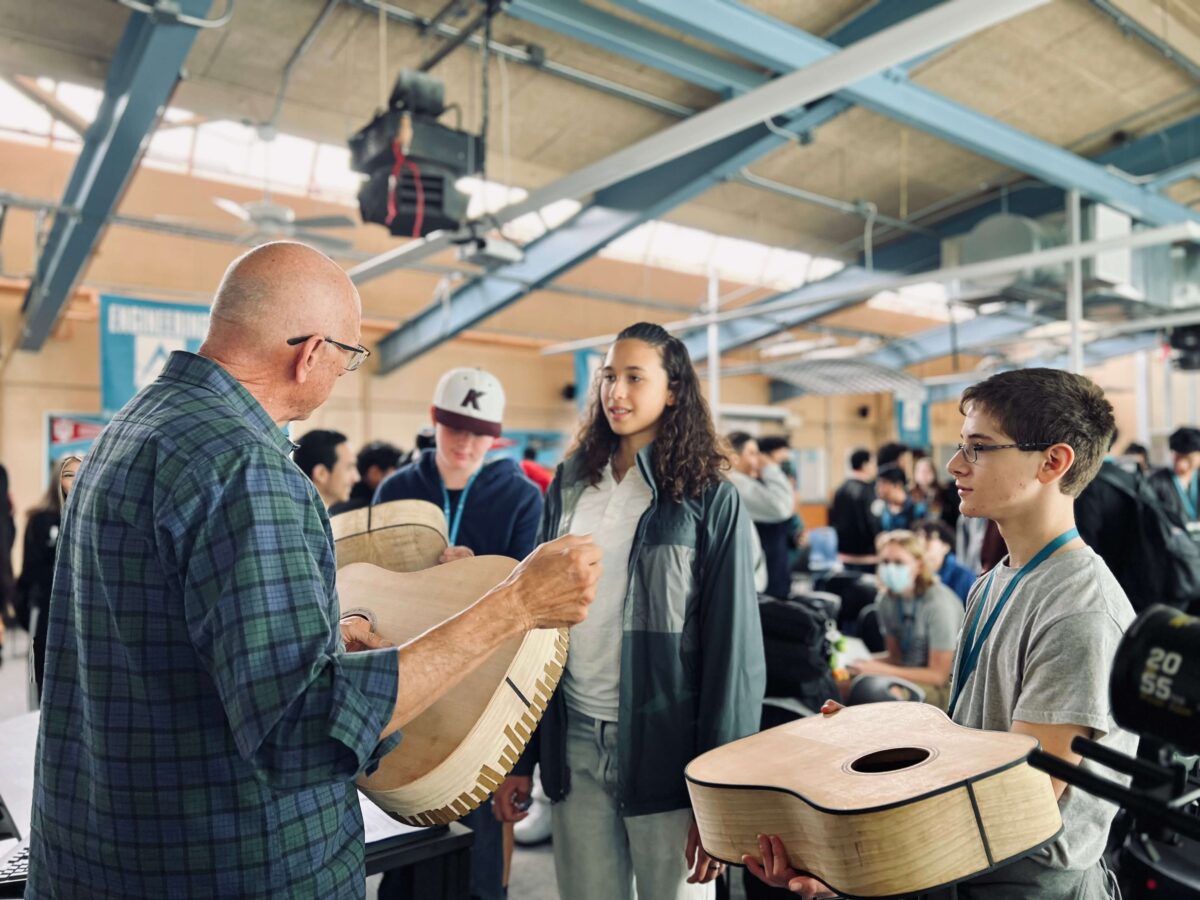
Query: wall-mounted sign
(70,434)
(136,337)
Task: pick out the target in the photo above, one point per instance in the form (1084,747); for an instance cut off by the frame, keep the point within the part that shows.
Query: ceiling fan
(269,220)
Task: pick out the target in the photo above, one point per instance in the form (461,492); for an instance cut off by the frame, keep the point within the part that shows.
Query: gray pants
(598,855)
(1027,879)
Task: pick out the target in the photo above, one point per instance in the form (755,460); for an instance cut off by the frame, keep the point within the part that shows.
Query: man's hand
(450,554)
(357,635)
(553,585)
(513,793)
(829,707)
(704,867)
(775,869)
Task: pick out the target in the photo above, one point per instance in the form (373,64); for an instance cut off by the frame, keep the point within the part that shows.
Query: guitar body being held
(455,753)
(878,800)
(401,535)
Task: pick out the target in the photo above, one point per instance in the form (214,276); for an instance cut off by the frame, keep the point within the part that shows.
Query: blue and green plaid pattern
(201,721)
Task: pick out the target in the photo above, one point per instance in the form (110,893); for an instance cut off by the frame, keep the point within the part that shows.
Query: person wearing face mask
(920,617)
(491,508)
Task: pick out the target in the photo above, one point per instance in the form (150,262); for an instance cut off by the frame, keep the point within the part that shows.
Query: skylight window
(332,177)
(224,150)
(20,118)
(83,101)
(696,252)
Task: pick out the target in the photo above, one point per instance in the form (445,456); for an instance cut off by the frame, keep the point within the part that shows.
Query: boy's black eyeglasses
(358,353)
(971,451)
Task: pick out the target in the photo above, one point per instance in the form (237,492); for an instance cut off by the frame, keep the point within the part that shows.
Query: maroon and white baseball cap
(469,400)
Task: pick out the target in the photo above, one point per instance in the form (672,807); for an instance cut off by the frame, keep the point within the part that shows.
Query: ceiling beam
(141,79)
(913,37)
(916,253)
(1095,353)
(649,48)
(530,56)
(768,42)
(614,211)
(1154,154)
(857,285)
(935,343)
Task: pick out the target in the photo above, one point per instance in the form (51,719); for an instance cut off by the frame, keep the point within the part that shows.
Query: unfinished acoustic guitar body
(877,800)
(402,536)
(458,751)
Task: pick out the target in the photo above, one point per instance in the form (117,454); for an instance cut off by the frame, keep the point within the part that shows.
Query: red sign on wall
(71,430)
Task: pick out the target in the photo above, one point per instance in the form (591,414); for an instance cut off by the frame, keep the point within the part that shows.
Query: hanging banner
(912,422)
(70,434)
(586,364)
(136,337)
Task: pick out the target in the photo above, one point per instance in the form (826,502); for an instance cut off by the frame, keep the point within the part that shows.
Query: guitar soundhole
(891,760)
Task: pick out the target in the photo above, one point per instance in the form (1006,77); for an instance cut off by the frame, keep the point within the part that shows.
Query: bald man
(202,720)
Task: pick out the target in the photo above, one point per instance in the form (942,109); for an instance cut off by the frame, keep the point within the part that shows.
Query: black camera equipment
(1155,692)
(412,161)
(1186,339)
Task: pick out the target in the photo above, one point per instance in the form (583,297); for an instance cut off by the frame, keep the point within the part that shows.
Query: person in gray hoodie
(768,497)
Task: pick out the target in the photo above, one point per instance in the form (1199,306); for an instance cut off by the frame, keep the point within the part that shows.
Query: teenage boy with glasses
(1041,629)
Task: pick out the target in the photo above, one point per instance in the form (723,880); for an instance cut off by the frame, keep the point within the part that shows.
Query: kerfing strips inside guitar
(878,800)
(458,751)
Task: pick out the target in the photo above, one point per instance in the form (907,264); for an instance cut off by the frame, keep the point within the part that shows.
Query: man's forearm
(433,663)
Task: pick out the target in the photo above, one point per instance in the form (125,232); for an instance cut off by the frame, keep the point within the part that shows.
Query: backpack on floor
(797,649)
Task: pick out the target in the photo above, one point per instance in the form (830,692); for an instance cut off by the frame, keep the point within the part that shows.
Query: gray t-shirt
(932,621)
(1048,661)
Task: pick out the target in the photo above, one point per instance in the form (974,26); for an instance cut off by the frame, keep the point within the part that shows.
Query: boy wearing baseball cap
(491,508)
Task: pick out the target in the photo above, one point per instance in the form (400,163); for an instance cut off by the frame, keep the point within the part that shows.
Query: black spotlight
(1187,341)
(412,161)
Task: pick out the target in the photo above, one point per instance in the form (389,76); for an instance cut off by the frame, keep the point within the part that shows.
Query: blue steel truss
(141,79)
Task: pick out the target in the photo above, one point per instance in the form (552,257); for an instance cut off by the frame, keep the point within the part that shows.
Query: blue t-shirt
(957,577)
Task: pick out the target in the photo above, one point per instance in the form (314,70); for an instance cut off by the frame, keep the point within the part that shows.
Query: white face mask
(896,577)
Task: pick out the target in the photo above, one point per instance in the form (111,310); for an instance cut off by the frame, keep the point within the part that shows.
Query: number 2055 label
(1158,678)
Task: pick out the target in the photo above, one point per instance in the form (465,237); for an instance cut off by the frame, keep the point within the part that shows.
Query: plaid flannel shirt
(201,722)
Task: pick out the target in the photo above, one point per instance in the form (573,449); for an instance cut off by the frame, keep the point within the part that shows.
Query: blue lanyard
(1190,503)
(453,521)
(973,647)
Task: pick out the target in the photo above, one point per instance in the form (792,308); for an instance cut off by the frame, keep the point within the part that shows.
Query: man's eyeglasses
(358,353)
(971,452)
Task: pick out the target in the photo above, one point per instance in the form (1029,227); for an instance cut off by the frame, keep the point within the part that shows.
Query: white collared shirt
(610,512)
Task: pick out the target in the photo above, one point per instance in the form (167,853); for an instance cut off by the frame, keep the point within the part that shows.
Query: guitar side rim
(884,807)
(517,711)
(722,829)
(937,887)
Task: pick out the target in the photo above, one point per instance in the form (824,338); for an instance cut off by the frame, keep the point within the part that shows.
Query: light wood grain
(400,536)
(456,753)
(881,833)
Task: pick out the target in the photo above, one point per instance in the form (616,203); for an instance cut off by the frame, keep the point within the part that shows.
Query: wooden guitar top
(879,800)
(815,758)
